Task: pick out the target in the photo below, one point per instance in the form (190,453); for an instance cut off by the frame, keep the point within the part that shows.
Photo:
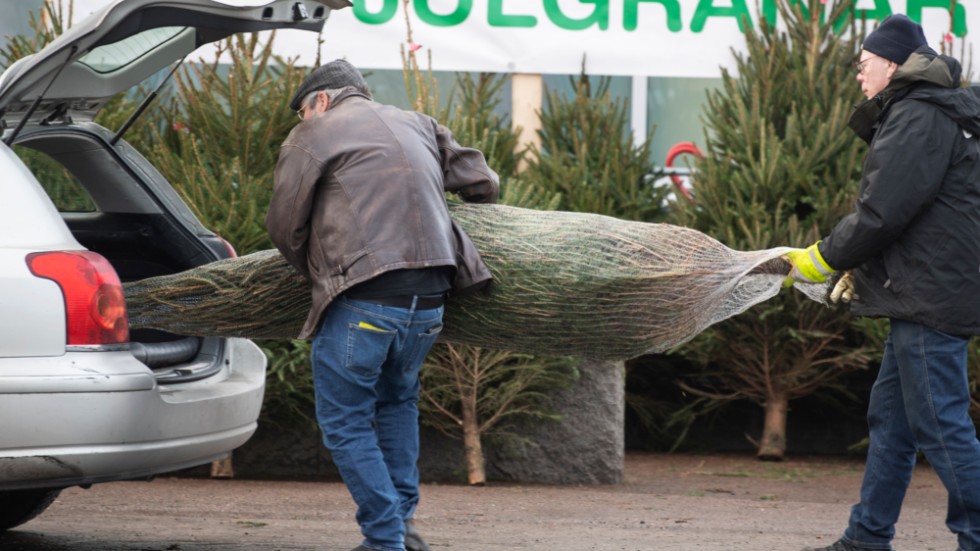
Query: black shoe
(839,545)
(362,548)
(413,541)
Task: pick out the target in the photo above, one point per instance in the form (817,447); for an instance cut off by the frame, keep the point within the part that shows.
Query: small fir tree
(780,168)
(48,23)
(220,143)
(468,392)
(474,393)
(589,157)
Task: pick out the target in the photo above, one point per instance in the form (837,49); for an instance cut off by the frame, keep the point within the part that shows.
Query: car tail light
(94,299)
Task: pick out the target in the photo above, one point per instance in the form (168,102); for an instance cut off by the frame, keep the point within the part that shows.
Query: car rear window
(115,56)
(63,188)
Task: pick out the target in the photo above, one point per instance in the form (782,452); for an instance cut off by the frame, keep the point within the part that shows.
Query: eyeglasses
(308,103)
(860,64)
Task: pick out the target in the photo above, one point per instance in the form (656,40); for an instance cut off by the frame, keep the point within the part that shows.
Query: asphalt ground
(666,502)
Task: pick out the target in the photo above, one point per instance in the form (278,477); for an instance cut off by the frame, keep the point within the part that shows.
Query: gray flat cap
(334,75)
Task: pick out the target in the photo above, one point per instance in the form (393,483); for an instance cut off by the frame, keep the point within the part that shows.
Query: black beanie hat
(896,38)
(337,74)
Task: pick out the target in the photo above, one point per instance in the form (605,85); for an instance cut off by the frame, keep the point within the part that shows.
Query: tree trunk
(476,473)
(222,468)
(773,445)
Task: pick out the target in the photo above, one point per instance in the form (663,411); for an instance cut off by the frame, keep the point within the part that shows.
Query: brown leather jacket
(359,191)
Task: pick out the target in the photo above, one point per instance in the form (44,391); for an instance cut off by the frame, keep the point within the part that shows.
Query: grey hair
(331,93)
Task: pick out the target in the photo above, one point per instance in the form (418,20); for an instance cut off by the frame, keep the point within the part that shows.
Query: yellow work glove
(808,266)
(844,290)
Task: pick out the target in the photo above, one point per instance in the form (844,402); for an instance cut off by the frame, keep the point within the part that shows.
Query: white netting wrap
(564,284)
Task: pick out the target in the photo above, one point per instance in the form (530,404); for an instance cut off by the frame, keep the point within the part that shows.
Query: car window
(115,56)
(63,188)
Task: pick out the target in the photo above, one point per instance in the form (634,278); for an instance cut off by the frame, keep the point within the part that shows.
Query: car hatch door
(129,41)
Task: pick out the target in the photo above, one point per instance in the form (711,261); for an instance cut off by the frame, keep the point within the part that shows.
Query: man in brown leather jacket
(359,208)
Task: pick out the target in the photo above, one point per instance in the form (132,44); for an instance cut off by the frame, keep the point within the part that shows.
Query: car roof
(129,41)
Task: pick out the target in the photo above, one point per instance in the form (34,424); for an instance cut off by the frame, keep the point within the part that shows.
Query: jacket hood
(935,79)
(925,65)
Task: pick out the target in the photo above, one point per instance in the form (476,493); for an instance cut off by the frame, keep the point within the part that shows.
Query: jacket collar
(347,93)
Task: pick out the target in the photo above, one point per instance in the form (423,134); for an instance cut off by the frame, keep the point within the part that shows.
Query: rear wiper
(146,103)
(37,101)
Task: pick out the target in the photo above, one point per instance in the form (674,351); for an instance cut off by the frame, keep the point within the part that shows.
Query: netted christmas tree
(471,393)
(780,169)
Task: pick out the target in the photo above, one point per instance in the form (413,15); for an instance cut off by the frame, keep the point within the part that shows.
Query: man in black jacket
(913,247)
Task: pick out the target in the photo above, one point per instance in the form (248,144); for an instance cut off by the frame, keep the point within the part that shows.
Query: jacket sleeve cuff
(818,263)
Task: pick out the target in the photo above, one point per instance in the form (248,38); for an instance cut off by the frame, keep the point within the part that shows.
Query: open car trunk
(113,201)
(116,204)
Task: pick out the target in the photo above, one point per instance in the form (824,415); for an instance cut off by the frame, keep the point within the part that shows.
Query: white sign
(672,38)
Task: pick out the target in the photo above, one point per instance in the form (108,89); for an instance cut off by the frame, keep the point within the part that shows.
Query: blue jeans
(920,401)
(366,361)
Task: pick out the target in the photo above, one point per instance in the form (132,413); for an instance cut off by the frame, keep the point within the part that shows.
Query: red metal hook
(682,148)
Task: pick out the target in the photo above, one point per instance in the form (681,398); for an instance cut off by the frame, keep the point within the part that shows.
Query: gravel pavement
(667,502)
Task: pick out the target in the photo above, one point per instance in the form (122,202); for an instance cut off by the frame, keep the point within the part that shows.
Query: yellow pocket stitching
(366,325)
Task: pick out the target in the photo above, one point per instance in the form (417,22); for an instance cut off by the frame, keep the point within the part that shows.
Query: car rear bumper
(113,425)
(80,465)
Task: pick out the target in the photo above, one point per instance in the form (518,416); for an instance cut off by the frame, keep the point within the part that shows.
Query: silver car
(82,399)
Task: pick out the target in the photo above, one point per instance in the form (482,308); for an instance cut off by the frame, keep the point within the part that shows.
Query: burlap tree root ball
(564,284)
